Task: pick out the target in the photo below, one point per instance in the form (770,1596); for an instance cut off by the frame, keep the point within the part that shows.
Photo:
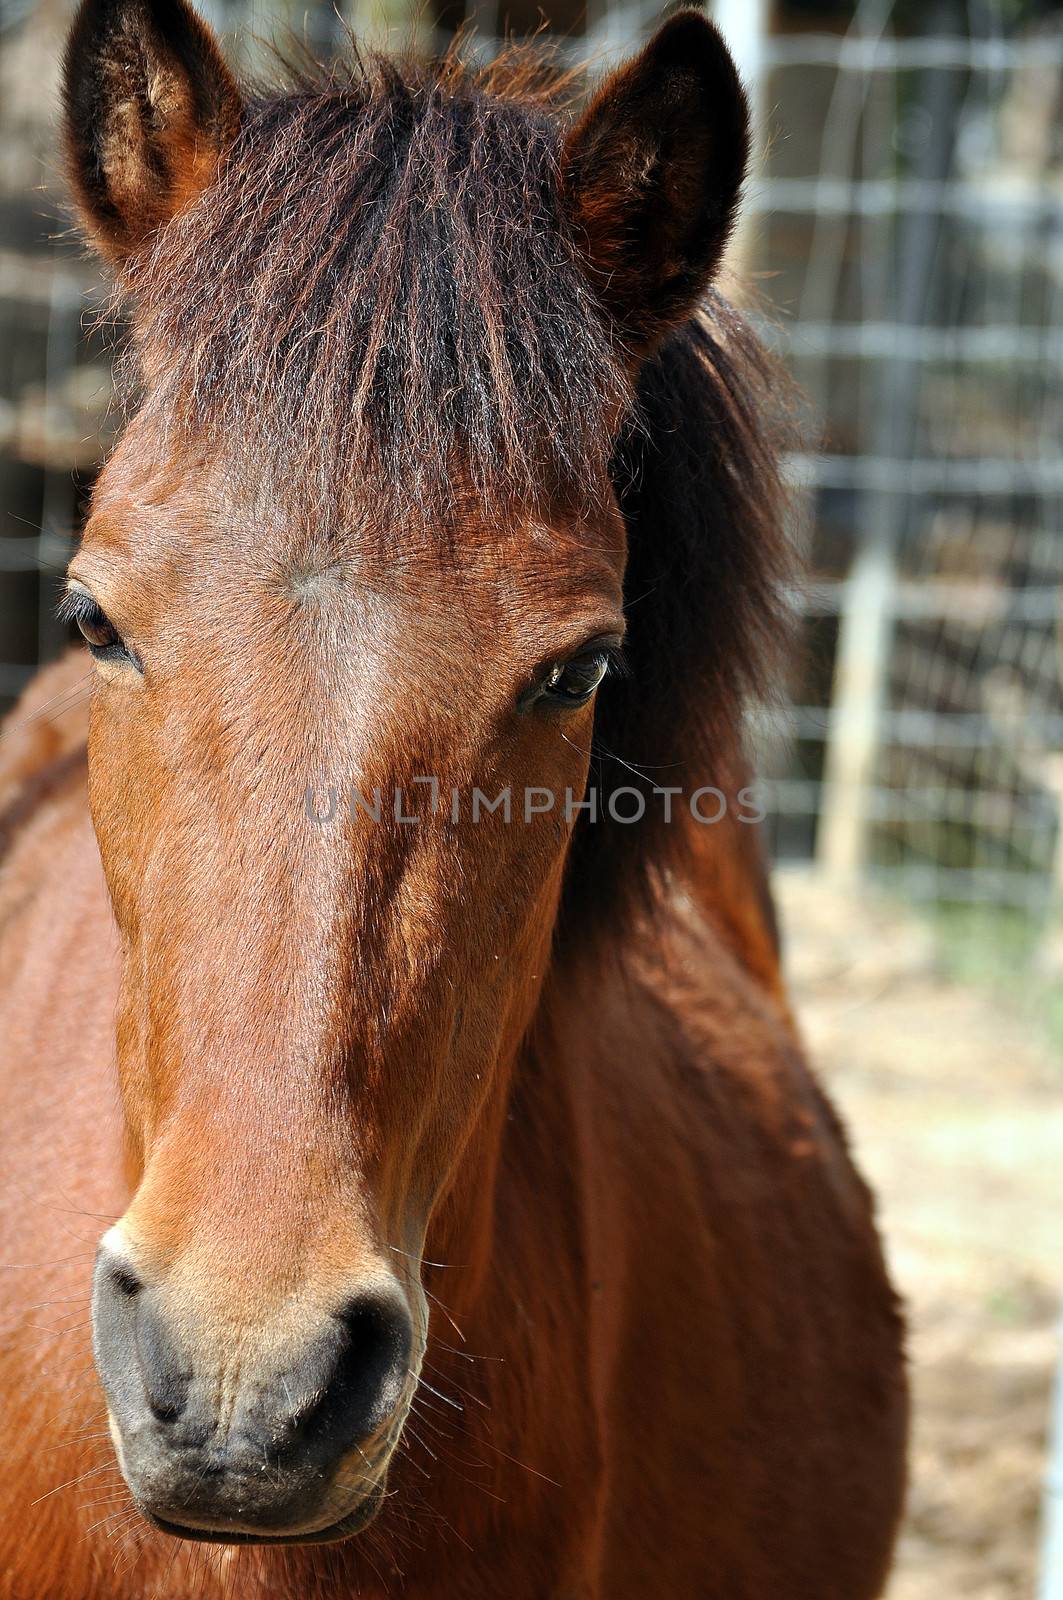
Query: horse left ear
(150,107)
(651,175)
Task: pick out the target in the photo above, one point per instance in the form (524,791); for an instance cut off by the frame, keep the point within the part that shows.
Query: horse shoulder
(744,1344)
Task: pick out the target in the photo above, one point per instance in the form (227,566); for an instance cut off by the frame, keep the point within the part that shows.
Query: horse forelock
(378,296)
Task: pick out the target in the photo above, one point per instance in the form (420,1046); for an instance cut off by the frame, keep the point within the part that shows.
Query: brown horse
(473,1225)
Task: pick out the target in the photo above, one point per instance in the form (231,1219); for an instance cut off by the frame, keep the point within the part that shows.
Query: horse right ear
(150,107)
(651,176)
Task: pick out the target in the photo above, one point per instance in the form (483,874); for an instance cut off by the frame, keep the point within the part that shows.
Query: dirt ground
(954,1107)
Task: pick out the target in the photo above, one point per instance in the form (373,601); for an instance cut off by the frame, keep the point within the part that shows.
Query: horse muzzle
(250,1435)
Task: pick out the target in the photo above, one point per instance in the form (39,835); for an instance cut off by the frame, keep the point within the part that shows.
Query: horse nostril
(368,1361)
(373,1324)
(137,1352)
(125,1281)
(164,1410)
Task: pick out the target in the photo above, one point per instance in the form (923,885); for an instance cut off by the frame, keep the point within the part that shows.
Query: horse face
(335,761)
(332,802)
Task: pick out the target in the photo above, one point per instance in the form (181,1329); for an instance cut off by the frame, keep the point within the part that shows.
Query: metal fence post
(1051,1581)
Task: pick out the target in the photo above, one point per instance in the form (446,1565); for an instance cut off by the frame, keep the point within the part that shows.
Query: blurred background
(903,251)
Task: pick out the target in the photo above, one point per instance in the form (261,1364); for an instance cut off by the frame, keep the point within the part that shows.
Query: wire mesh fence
(905,237)
(911,221)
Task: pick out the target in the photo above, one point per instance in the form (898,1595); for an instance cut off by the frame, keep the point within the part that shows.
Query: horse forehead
(190,528)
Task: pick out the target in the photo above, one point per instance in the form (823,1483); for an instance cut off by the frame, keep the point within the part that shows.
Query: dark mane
(381,283)
(709,571)
(380,280)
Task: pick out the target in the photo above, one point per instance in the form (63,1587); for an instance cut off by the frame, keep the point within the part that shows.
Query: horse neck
(726,878)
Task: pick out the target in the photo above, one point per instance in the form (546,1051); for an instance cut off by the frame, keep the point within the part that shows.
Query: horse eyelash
(617,661)
(75,604)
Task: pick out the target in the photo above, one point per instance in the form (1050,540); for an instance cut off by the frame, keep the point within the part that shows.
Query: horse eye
(98,633)
(96,628)
(573,682)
